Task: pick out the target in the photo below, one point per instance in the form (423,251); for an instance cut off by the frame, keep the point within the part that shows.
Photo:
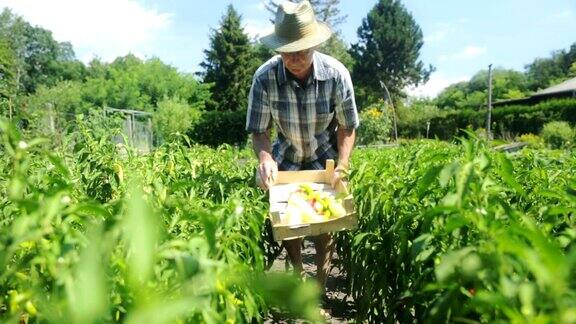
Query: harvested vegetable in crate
(308,206)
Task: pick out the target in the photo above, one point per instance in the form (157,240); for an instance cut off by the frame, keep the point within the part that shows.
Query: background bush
(174,116)
(508,119)
(214,128)
(375,124)
(533,141)
(414,116)
(558,134)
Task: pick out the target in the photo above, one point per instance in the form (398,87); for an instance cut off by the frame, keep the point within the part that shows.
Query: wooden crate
(287,182)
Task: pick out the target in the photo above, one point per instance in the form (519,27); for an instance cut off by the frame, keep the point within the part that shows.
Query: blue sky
(461,37)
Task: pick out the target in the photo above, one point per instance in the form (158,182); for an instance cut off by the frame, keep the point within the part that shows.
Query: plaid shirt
(306,116)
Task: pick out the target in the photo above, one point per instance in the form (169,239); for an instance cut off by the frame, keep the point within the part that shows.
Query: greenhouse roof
(566,86)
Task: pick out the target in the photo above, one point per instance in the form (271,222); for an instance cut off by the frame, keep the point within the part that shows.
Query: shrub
(174,116)
(505,120)
(533,141)
(63,98)
(215,128)
(414,116)
(558,134)
(375,125)
(4,107)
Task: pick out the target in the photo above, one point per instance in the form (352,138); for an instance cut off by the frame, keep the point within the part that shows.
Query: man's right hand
(267,173)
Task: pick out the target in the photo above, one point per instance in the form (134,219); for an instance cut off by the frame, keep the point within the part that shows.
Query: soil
(337,303)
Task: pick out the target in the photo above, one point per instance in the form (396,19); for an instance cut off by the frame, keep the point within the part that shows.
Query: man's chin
(295,71)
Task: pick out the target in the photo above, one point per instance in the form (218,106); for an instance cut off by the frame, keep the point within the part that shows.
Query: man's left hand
(339,174)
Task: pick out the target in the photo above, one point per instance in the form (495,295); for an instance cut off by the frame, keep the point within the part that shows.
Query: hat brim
(278,44)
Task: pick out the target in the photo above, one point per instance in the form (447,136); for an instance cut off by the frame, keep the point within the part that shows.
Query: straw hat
(296,28)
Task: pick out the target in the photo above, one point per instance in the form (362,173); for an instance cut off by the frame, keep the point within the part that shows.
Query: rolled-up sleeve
(258,118)
(346,111)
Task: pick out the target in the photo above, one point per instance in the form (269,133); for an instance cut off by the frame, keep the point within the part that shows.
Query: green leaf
(59,164)
(141,234)
(526,294)
(88,290)
(463,182)
(450,263)
(429,177)
(421,249)
(91,209)
(506,171)
(447,172)
(455,221)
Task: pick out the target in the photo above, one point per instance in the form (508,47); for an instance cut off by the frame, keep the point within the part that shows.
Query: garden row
(91,232)
(461,233)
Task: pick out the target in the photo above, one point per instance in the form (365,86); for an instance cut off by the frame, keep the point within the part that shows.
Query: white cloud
(435,85)
(563,14)
(441,32)
(257,28)
(105,28)
(467,53)
(471,52)
(557,17)
(436,36)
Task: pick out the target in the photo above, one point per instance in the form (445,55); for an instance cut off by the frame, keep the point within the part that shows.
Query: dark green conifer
(229,63)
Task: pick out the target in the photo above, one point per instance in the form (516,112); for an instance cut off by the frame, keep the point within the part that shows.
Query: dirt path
(338,304)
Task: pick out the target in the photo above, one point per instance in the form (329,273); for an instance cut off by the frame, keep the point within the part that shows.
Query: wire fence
(136,128)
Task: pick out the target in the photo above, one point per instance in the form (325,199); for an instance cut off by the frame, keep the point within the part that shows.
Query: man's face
(298,63)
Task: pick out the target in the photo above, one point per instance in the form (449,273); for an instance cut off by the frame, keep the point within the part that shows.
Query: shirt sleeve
(258,117)
(346,111)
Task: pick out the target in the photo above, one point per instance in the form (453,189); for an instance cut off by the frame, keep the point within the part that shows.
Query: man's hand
(267,168)
(267,173)
(339,174)
(345,140)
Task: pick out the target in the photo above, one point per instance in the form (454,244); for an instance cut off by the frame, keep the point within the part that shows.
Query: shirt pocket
(324,116)
(284,116)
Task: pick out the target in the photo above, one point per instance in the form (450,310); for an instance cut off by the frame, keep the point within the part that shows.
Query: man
(309,97)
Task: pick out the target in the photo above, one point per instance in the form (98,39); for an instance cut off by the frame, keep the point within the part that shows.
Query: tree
(388,50)
(39,59)
(454,96)
(336,47)
(506,84)
(7,78)
(262,52)
(572,71)
(129,82)
(229,63)
(545,72)
(64,98)
(7,71)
